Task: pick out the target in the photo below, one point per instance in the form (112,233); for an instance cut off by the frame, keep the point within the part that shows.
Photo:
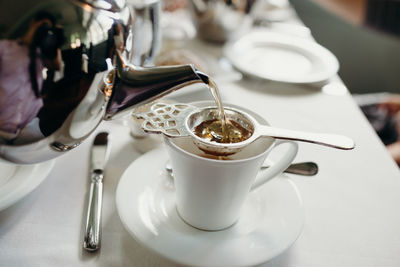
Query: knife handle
(93,219)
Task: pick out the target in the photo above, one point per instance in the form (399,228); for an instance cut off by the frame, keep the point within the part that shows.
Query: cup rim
(168,141)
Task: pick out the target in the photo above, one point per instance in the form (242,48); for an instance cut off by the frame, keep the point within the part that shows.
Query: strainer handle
(330,140)
(279,166)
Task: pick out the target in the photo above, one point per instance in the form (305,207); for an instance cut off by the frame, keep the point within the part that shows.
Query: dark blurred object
(384,124)
(383,112)
(381,118)
(383,15)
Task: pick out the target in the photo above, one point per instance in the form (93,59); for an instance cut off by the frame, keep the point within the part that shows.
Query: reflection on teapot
(64,68)
(221,20)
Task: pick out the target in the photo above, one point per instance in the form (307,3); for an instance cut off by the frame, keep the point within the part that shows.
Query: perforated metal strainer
(178,120)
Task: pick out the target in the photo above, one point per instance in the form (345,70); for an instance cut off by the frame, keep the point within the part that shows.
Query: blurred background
(363,34)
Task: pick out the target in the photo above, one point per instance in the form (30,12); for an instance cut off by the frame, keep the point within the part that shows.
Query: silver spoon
(301,168)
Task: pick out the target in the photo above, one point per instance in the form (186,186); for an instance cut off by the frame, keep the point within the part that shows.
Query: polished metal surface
(99,158)
(330,140)
(178,120)
(67,65)
(300,168)
(144,38)
(167,119)
(221,20)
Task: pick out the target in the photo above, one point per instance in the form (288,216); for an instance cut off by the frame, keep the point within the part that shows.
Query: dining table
(351,206)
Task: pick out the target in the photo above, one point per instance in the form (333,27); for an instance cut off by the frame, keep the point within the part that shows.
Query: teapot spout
(134,86)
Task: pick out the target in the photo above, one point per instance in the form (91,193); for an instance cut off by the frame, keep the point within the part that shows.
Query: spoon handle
(331,140)
(301,168)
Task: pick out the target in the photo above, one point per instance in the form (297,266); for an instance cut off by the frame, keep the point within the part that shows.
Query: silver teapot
(67,65)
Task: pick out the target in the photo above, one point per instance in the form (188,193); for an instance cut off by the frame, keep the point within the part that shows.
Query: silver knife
(99,156)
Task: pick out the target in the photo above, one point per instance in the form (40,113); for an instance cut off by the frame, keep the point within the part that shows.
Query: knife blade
(99,156)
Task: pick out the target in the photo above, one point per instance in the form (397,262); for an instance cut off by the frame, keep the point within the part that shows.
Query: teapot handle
(142,14)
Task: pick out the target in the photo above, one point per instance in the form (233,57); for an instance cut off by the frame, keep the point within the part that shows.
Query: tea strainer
(179,120)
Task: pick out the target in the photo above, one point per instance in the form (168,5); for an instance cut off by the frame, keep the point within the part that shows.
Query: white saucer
(271,220)
(280,57)
(22,180)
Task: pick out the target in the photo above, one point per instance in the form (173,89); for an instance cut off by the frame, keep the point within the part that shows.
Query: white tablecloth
(352,213)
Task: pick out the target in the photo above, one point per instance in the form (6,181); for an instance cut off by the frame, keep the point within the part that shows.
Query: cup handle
(277,167)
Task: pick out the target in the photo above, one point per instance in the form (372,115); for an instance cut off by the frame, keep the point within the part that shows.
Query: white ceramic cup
(210,192)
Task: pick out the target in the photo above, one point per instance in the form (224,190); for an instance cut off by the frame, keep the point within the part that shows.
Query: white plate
(271,220)
(22,180)
(272,10)
(279,57)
